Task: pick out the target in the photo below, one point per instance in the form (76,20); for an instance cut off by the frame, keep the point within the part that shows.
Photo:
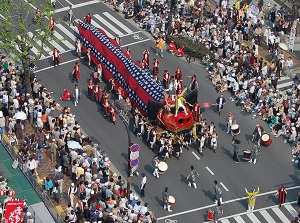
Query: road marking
(67,32)
(117,22)
(253,218)
(239,219)
(77,6)
(47,68)
(128,34)
(267,216)
(61,38)
(108,25)
(223,185)
(209,170)
(129,44)
(291,210)
(170,221)
(45,48)
(225,221)
(197,157)
(2,17)
(228,202)
(279,213)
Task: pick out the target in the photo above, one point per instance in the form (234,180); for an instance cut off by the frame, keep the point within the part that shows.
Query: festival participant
(78,46)
(155,66)
(96,92)
(166,199)
(220,103)
(178,74)
(257,134)
(66,96)
(105,106)
(51,24)
(88,57)
(193,84)
(99,71)
(251,198)
(229,122)
(128,52)
(197,112)
(88,19)
(120,93)
(38,14)
(146,56)
(76,72)
(143,64)
(56,57)
(166,79)
(90,88)
(282,192)
(76,95)
(118,40)
(112,114)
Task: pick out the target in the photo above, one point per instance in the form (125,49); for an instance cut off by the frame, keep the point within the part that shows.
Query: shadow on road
(209,194)
(222,126)
(228,152)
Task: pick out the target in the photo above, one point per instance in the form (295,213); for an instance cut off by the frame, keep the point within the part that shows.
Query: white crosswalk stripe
(285,83)
(67,35)
(286,214)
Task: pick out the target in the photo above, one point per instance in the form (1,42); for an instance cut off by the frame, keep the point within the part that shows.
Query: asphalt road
(273,168)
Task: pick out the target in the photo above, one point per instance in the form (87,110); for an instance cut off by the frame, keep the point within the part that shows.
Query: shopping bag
(210,215)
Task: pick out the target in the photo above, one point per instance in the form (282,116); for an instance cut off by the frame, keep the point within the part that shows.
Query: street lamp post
(125,121)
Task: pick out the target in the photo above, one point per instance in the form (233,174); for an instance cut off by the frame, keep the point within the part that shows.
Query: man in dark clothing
(236,150)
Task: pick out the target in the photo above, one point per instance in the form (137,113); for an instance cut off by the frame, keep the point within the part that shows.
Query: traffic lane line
(197,157)
(223,185)
(77,6)
(225,202)
(134,43)
(50,67)
(209,170)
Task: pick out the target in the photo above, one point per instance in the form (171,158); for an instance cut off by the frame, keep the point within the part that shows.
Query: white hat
(28,213)
(72,184)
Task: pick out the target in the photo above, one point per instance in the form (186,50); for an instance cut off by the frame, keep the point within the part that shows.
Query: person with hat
(282,192)
(166,199)
(143,184)
(251,198)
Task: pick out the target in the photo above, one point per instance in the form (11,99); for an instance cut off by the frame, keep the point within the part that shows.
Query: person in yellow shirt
(159,43)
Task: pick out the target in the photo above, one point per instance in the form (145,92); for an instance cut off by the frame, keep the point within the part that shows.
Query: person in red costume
(66,96)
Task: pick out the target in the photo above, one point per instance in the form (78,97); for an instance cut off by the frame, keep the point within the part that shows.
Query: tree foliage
(295,7)
(21,31)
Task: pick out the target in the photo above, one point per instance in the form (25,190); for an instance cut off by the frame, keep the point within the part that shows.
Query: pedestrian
(236,150)
(251,198)
(296,220)
(166,199)
(192,177)
(53,3)
(59,178)
(49,186)
(143,185)
(71,13)
(220,102)
(56,57)
(154,163)
(76,72)
(71,193)
(257,134)
(218,212)
(298,200)
(159,43)
(88,57)
(281,195)
(57,192)
(218,193)
(230,120)
(254,153)
(76,94)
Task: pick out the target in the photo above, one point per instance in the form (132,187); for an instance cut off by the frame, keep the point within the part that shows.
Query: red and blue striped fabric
(137,82)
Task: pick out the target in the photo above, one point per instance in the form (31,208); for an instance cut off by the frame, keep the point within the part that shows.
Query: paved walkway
(23,189)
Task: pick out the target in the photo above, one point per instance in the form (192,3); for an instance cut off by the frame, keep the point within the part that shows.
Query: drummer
(257,134)
(230,121)
(166,199)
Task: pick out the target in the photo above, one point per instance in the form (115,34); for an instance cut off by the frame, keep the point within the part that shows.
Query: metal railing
(32,180)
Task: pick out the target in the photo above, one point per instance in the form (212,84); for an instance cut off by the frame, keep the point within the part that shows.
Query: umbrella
(54,113)
(74,145)
(231,79)
(20,115)
(283,46)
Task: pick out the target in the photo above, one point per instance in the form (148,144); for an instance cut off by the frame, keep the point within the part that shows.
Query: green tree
(17,19)
(295,7)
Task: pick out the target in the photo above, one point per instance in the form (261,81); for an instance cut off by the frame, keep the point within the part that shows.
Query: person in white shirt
(289,65)
(143,185)
(271,41)
(72,192)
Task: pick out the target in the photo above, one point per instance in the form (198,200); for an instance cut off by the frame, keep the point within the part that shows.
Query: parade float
(137,83)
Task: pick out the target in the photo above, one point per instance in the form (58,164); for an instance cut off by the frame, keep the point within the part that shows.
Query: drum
(247,155)
(266,139)
(171,200)
(162,167)
(235,128)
